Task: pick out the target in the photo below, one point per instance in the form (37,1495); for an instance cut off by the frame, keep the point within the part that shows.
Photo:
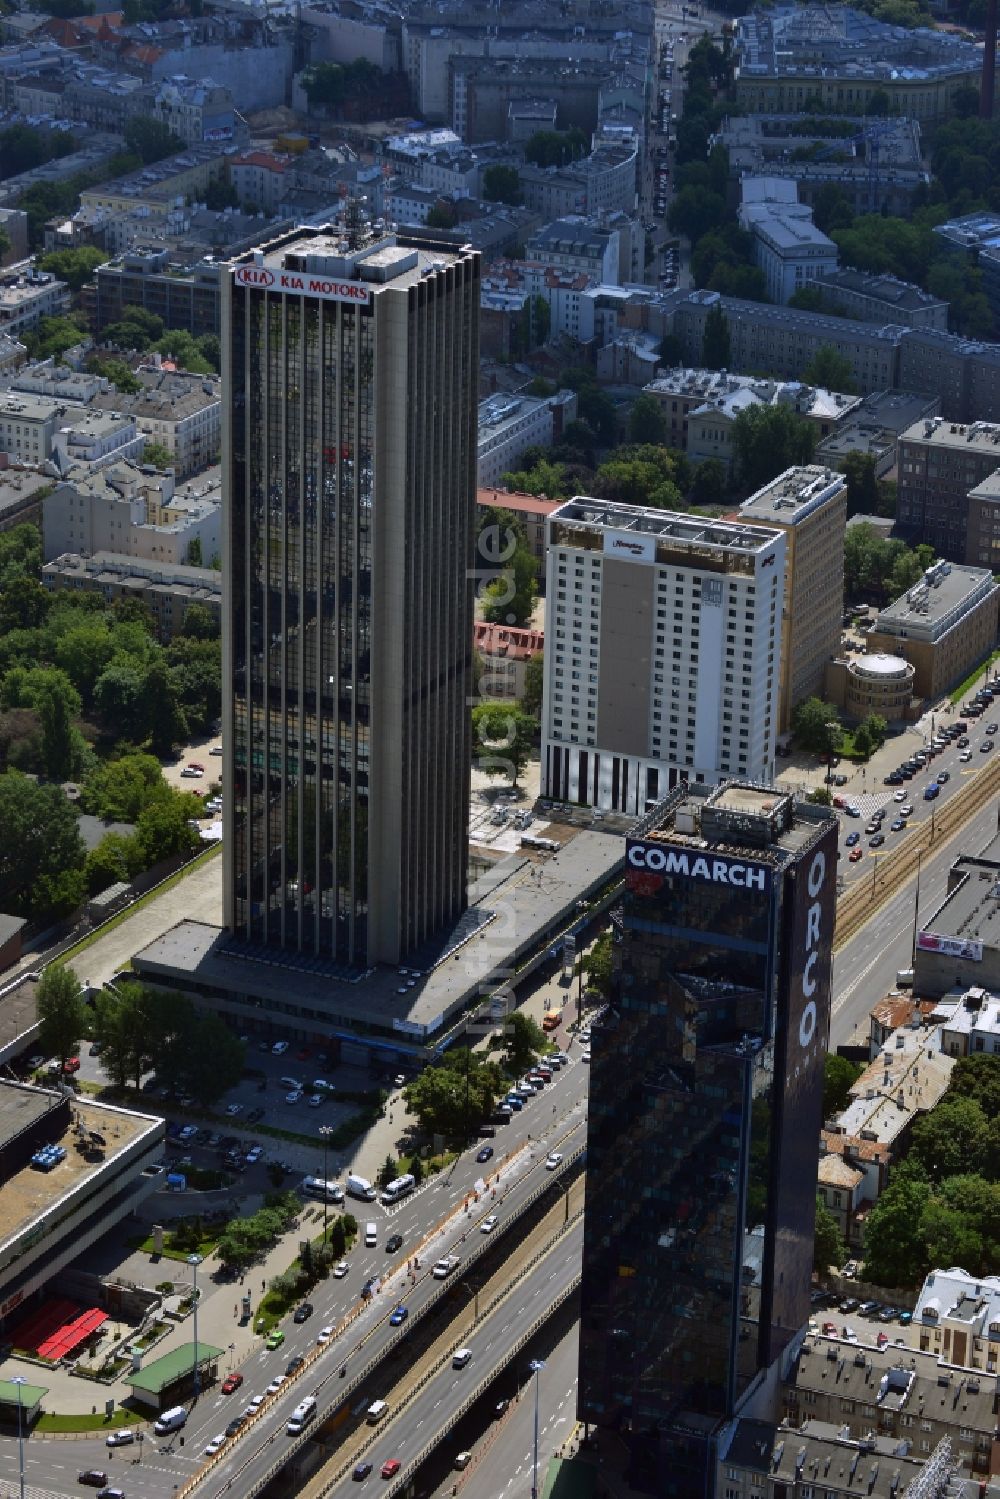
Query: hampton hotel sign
(327,288)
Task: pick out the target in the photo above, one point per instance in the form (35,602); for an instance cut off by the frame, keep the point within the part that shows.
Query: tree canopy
(767,440)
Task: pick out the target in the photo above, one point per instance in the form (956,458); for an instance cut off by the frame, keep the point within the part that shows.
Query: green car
(276,1338)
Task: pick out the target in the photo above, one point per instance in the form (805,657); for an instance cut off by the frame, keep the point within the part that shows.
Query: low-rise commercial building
(958,944)
(504,654)
(958,1318)
(874,683)
(874,427)
(183,296)
(109,1166)
(168,589)
(809,504)
(788,247)
(509,425)
(944,626)
(22,489)
(27,295)
(530,510)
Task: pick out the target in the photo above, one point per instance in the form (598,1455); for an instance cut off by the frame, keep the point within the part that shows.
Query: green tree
(555,148)
(199,623)
(695,210)
(163,828)
(830,369)
(978,1077)
(810,725)
(862,484)
(221,194)
(387,1172)
(895,1251)
(828,1246)
(118,372)
(510,597)
(449,1098)
(671,350)
(949,1138)
(767,440)
(62,1013)
(534,676)
(183,348)
(167,724)
(715,346)
(24,605)
(501,184)
(504,738)
(150,139)
(158,454)
(596,966)
(208,1060)
(73,266)
(646,421)
(524,1041)
(710,483)
(53,336)
(839,1077)
(114,859)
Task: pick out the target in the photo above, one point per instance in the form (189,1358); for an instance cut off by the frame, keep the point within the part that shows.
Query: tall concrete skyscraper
(705,1109)
(350,365)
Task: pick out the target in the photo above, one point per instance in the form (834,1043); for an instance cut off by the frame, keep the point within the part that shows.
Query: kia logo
(254,275)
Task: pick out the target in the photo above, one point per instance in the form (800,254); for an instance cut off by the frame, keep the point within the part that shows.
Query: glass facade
(344,416)
(691,1099)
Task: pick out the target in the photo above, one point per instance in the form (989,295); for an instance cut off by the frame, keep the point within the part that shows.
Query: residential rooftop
(885,288)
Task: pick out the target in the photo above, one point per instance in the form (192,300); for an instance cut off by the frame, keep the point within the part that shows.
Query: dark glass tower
(349,449)
(704,1118)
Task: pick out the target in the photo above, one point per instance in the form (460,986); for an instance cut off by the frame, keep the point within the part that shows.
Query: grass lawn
(51,1421)
(143,900)
(973,678)
(145,1246)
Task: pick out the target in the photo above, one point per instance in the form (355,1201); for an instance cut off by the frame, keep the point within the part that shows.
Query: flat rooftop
(967,436)
(936,603)
(665,525)
(29,1194)
(972,910)
(540,893)
(761,823)
(396,260)
(794,495)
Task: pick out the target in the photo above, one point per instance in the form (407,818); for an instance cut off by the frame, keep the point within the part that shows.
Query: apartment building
(27,295)
(882,299)
(504,652)
(809,504)
(180,411)
(531,512)
(167,588)
(638,603)
(183,295)
(136,512)
(788,247)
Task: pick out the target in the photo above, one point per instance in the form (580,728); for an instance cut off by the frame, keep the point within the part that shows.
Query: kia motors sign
(950,947)
(691,864)
(308,284)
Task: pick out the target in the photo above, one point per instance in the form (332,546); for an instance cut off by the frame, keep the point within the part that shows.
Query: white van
(375,1412)
(461,1358)
(291,1083)
(371,1235)
(326,1191)
(398,1189)
(360,1186)
(171,1420)
(303,1413)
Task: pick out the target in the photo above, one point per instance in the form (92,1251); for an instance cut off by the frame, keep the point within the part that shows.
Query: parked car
(231,1382)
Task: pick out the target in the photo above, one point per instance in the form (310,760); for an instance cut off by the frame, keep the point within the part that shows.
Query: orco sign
(326,288)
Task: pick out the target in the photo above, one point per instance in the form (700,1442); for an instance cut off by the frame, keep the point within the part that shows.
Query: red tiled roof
(503,640)
(525,504)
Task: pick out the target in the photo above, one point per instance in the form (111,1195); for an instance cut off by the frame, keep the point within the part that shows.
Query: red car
(193,765)
(231,1382)
(391,1468)
(856,854)
(71,1064)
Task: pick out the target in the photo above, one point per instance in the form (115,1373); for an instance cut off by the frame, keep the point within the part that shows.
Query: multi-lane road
(433,1222)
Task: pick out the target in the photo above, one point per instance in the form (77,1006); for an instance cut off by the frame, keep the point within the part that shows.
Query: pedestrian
(236,1311)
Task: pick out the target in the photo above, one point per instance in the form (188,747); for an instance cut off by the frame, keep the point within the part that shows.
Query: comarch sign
(327,288)
(660,858)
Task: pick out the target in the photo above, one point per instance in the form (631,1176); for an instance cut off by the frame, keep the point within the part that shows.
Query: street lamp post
(194,1260)
(20,1380)
(535,1365)
(326,1130)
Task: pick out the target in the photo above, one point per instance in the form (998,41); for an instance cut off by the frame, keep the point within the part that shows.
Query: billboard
(658,858)
(326,288)
(804,977)
(950,947)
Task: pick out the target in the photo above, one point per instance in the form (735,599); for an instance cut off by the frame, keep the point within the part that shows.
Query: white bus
(401,1187)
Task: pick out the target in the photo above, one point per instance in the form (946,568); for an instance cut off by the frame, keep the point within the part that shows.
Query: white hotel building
(662,652)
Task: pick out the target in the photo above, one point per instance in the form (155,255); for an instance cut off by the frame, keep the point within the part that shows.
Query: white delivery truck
(360,1186)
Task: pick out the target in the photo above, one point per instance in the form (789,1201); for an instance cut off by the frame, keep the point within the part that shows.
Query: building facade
(939,463)
(349,453)
(704,1120)
(637,603)
(810,505)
